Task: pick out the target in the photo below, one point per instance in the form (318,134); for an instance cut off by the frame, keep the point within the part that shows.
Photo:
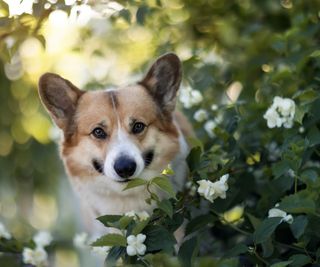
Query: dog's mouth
(148,157)
(98,166)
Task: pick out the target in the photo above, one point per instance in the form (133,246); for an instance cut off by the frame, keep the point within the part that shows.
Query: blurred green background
(253,47)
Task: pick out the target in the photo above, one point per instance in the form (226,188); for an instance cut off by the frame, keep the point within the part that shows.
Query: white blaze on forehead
(121,145)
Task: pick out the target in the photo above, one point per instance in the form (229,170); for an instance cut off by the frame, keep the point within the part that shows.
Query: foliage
(260,49)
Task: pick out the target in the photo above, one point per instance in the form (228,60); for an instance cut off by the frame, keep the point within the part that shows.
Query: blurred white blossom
(80,240)
(70,2)
(143,215)
(37,257)
(140,215)
(4,232)
(214,107)
(18,7)
(209,126)
(189,97)
(135,245)
(274,151)
(280,113)
(42,239)
(200,115)
(275,212)
(211,191)
(100,251)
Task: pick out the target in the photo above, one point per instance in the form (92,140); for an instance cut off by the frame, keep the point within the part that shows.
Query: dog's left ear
(163,81)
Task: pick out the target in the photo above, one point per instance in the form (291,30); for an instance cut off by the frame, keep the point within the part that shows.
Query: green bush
(260,50)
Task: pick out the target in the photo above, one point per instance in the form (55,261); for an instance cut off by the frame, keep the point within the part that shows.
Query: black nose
(125,167)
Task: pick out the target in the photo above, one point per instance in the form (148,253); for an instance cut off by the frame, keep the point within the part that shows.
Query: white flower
(280,113)
(209,126)
(81,240)
(42,239)
(275,212)
(131,213)
(37,257)
(100,251)
(200,115)
(70,2)
(189,97)
(142,215)
(4,232)
(18,7)
(206,190)
(211,191)
(196,97)
(214,107)
(135,245)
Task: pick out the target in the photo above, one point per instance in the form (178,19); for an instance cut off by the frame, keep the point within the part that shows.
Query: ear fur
(163,80)
(60,98)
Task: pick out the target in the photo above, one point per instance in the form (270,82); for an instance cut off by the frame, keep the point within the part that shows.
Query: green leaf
(315,53)
(236,251)
(166,206)
(299,260)
(306,96)
(135,183)
(138,228)
(141,14)
(188,251)
(110,240)
(193,158)
(299,114)
(195,142)
(313,136)
(266,229)
(281,264)
(109,220)
(297,203)
(267,248)
(126,15)
(125,221)
(158,238)
(113,256)
(255,222)
(298,226)
(164,184)
(280,168)
(199,222)
(310,177)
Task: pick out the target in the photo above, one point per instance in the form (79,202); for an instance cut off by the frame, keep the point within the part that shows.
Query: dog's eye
(138,127)
(99,133)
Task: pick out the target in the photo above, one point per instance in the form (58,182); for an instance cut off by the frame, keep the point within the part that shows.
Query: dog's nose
(125,167)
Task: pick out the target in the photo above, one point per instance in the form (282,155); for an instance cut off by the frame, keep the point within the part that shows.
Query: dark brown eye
(138,127)
(99,133)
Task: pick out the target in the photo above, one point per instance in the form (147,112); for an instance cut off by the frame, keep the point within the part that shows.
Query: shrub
(253,69)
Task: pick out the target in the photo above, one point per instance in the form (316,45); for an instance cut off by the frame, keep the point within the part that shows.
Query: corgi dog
(112,136)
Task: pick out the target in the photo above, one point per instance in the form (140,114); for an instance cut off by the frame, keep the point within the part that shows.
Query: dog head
(117,135)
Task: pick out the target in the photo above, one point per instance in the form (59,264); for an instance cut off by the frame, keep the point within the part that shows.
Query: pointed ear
(163,81)
(60,98)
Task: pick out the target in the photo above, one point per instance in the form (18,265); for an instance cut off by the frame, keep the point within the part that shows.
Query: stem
(260,258)
(144,261)
(295,184)
(303,250)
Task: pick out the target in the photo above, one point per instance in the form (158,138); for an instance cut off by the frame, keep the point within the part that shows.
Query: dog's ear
(60,97)
(163,81)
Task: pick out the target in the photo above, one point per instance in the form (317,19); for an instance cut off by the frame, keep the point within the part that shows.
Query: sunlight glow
(18,7)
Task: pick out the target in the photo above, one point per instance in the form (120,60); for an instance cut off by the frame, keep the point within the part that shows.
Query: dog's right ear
(60,97)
